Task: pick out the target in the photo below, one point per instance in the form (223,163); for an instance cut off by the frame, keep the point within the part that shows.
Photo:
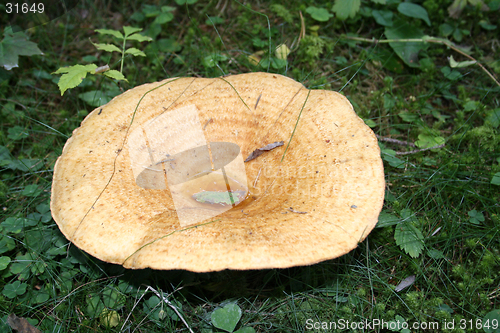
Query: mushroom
(156,178)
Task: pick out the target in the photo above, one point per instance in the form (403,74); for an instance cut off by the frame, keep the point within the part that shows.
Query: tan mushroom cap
(332,171)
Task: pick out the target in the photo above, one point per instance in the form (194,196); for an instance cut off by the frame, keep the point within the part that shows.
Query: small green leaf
(487,26)
(139,38)
(319,14)
(407,51)
(184,2)
(113,299)
(386,220)
(109,318)
(17,133)
(491,321)
(42,296)
(114,33)
(496,179)
(414,10)
(227,318)
(130,30)
(6,244)
(114,74)
(14,45)
(212,20)
(4,262)
(455,64)
(31,190)
(74,76)
(408,116)
(409,238)
(14,289)
(107,47)
(212,59)
(429,140)
(13,225)
(163,18)
(493,117)
(435,254)
(470,106)
(383,17)
(94,305)
(475,217)
(135,52)
(346,8)
(97,98)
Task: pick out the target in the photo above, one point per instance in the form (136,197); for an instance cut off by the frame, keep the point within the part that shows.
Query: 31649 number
(24,8)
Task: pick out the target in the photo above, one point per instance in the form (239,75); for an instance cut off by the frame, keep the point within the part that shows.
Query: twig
(399,142)
(418,150)
(426,39)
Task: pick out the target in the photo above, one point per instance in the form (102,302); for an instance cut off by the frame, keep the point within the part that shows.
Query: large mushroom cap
(124,188)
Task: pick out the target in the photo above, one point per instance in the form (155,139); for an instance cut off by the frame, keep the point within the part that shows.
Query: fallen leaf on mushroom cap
(257,152)
(106,207)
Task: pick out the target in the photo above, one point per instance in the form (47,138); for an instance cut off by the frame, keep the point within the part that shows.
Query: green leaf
(212,59)
(475,217)
(168,45)
(14,289)
(487,26)
(407,51)
(435,254)
(495,180)
(409,239)
(493,117)
(130,30)
(408,116)
(113,299)
(140,38)
(227,318)
(114,33)
(346,8)
(13,225)
(42,296)
(74,76)
(381,2)
(212,20)
(429,140)
(6,244)
(184,2)
(386,220)
(107,47)
(4,262)
(414,10)
(461,64)
(135,52)
(114,74)
(17,133)
(383,17)
(491,321)
(97,98)
(319,14)
(31,190)
(94,306)
(109,318)
(163,18)
(14,45)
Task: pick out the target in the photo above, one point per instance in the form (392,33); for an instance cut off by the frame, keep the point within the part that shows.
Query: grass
(444,200)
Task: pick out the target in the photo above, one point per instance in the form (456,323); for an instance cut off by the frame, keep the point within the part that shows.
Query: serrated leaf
(130,30)
(346,8)
(226,318)
(407,51)
(414,10)
(114,33)
(114,74)
(14,45)
(386,220)
(319,14)
(409,239)
(74,76)
(107,47)
(135,52)
(139,38)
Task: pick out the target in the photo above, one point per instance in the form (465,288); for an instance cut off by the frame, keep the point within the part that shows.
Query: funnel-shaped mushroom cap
(156,177)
